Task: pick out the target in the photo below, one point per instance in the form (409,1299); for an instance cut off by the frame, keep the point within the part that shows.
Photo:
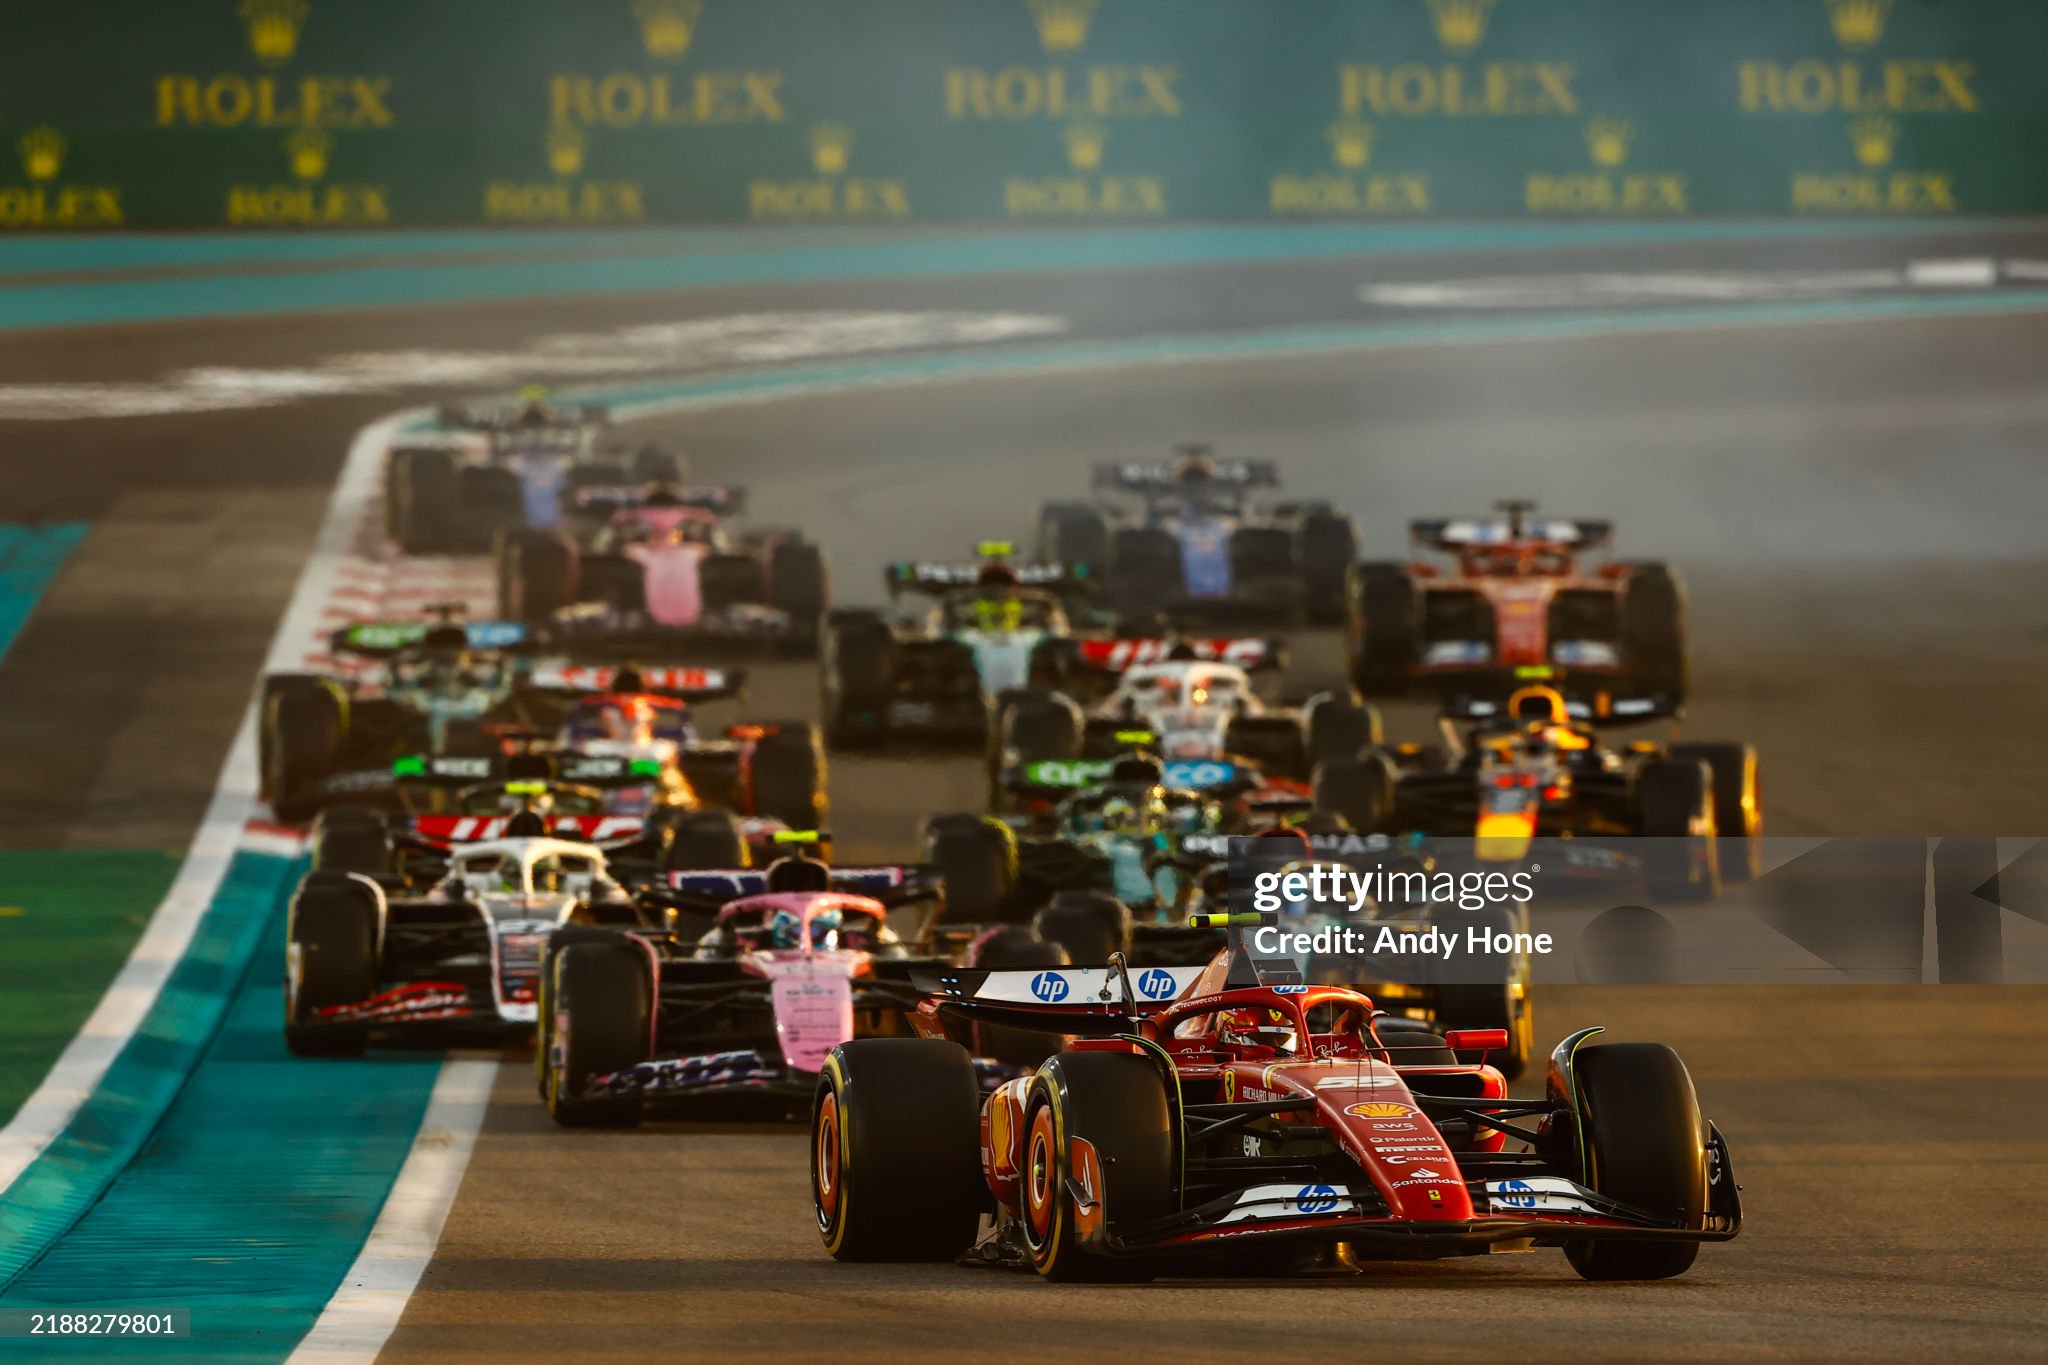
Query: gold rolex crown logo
(42,153)
(667,26)
(274,28)
(1607,140)
(309,149)
(1350,143)
(1858,23)
(1460,24)
(831,146)
(1873,137)
(1085,140)
(1062,24)
(565,144)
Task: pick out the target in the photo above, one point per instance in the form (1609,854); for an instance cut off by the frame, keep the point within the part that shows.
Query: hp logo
(1516,1194)
(1315,1199)
(1155,984)
(1049,987)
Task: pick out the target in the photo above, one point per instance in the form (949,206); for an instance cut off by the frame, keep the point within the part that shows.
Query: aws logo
(43,202)
(1089,191)
(1609,187)
(829,194)
(568,198)
(308,200)
(1349,189)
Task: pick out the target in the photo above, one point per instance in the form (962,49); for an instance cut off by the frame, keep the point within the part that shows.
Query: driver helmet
(1259,1027)
(1120,815)
(786,927)
(996,576)
(1538,707)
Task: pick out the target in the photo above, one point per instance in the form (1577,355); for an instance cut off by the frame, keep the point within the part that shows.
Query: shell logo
(1373,1110)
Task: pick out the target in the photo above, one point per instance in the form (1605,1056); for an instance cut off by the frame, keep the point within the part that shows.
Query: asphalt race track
(1857,508)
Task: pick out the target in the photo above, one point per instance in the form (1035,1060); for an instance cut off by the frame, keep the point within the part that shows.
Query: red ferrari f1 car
(1245,1111)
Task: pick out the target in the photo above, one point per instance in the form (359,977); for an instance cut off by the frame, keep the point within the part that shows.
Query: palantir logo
(1516,1194)
(1315,1199)
(1155,984)
(1049,987)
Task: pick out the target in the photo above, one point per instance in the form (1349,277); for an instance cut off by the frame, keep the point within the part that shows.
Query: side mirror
(1477,1039)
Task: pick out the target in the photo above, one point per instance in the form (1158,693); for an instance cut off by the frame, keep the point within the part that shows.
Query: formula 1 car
(795,960)
(1197,550)
(1689,815)
(1518,597)
(1244,1114)
(654,572)
(937,678)
(1190,707)
(462,956)
(489,469)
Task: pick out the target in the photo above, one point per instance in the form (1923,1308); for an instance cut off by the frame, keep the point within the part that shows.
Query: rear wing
(1457,533)
(536,770)
(624,497)
(1117,654)
(506,418)
(681,683)
(602,830)
(1188,775)
(1074,1000)
(893,883)
(930,576)
(382,639)
(1166,476)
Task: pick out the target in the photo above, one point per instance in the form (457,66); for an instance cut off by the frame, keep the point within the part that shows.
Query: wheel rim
(1041,1179)
(825,1170)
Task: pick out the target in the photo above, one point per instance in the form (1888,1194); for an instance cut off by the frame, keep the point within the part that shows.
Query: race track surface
(1857,508)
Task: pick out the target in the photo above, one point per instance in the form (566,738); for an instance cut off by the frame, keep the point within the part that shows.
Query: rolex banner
(268,114)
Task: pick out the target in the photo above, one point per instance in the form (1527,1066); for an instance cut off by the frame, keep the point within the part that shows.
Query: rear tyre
(1014,948)
(860,682)
(1361,790)
(602,998)
(1089,925)
(798,584)
(730,580)
(789,776)
(1653,628)
(351,839)
(706,840)
(977,864)
(332,933)
(489,501)
(1645,1145)
(1381,628)
(536,574)
(1738,807)
(422,517)
(1113,1105)
(896,1151)
(1039,727)
(1073,534)
(1329,544)
(1145,569)
(304,727)
(1337,726)
(1675,805)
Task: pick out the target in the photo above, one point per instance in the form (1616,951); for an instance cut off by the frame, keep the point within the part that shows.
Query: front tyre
(601,994)
(1098,1122)
(1645,1144)
(896,1151)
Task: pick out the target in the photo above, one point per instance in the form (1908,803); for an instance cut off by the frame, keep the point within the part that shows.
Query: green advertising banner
(370,113)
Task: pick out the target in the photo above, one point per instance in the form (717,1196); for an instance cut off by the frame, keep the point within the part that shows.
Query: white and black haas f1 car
(1198,550)
(761,974)
(659,571)
(462,958)
(1246,1116)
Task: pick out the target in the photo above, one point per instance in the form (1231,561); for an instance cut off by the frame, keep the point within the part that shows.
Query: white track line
(360,1317)
(127,1002)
